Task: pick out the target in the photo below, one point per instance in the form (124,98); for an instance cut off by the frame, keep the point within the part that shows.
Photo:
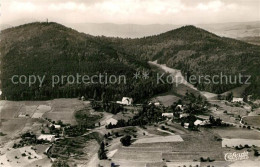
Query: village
(124,133)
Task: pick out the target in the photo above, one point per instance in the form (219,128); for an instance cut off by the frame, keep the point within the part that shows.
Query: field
(252,121)
(41,109)
(13,157)
(172,150)
(166,100)
(237,92)
(161,139)
(63,109)
(232,115)
(237,142)
(233,133)
(19,117)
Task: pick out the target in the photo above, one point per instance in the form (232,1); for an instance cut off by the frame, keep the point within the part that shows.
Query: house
(111,121)
(186,125)
(23,115)
(199,122)
(155,103)
(249,97)
(49,138)
(179,106)
(126,101)
(237,100)
(184,115)
(56,126)
(169,115)
(97,124)
(82,98)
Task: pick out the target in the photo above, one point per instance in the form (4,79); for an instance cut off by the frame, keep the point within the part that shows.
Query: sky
(131,11)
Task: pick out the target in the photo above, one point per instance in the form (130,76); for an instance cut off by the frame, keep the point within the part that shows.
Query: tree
(102,152)
(229,96)
(126,140)
(60,163)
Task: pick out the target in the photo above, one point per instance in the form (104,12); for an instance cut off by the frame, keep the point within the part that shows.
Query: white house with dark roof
(236,100)
(126,101)
(169,115)
(50,138)
(180,107)
(111,121)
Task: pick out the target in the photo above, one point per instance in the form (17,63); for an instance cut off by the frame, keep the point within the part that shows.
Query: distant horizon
(144,12)
(228,29)
(64,23)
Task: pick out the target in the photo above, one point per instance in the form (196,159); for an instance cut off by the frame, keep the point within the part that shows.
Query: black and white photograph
(129,83)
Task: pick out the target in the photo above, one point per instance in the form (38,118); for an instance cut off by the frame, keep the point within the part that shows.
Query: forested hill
(196,51)
(53,49)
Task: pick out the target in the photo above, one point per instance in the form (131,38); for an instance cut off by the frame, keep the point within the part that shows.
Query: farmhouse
(184,115)
(126,101)
(97,124)
(169,115)
(186,125)
(56,126)
(179,106)
(49,138)
(22,115)
(237,99)
(111,121)
(199,122)
(155,103)
(82,98)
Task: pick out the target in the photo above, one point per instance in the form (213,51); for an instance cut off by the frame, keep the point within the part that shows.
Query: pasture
(233,132)
(160,139)
(64,109)
(174,150)
(21,116)
(252,121)
(166,100)
(14,157)
(238,142)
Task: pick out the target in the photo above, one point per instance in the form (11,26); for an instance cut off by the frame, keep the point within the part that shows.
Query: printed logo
(236,156)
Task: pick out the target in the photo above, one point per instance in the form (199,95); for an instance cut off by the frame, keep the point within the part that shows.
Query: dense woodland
(52,49)
(197,52)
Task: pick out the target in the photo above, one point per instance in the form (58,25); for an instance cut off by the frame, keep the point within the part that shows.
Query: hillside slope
(198,52)
(51,49)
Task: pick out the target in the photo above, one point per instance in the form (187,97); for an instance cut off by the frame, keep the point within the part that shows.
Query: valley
(137,123)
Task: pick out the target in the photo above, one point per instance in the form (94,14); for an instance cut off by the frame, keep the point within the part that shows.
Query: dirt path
(180,79)
(93,162)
